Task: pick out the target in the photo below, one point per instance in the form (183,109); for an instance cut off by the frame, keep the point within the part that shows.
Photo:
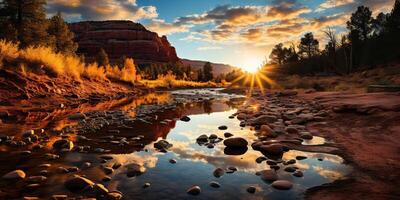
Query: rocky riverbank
(363,129)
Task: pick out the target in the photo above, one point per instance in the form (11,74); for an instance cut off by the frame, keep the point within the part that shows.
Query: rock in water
(202,138)
(228,135)
(268,175)
(215,184)
(78,183)
(63,144)
(223,127)
(219,172)
(15,175)
(272,149)
(185,118)
(195,190)
(282,185)
(251,189)
(135,170)
(236,142)
(162,145)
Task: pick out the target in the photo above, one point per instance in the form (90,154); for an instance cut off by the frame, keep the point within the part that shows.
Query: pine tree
(208,72)
(24,21)
(63,36)
(102,58)
(360,24)
(308,45)
(200,75)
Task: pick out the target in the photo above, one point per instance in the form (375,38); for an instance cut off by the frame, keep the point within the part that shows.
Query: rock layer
(122,38)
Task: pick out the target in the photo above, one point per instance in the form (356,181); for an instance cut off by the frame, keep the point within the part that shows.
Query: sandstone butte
(121,38)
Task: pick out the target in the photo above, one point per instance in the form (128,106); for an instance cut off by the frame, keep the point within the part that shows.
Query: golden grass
(169,81)
(40,58)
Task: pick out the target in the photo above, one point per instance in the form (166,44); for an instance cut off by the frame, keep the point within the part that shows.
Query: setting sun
(251,65)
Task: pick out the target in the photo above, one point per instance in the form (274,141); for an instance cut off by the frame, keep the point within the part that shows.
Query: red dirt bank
(366,127)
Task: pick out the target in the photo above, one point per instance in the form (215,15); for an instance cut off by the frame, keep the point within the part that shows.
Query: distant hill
(218,68)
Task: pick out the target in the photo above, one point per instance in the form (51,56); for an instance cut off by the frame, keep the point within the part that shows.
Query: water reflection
(195,163)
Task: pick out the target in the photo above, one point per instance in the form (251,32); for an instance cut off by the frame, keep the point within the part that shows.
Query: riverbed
(124,133)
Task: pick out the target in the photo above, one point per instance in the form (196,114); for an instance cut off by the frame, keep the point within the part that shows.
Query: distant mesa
(122,38)
(218,68)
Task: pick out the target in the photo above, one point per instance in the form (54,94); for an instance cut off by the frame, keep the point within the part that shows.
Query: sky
(236,32)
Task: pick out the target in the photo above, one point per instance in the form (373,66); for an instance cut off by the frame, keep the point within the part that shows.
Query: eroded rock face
(122,38)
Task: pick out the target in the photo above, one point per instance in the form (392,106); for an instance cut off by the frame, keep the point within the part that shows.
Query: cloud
(206,48)
(164,28)
(101,9)
(333,3)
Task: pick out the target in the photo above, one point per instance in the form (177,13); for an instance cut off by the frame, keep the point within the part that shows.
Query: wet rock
(185,118)
(268,175)
(223,127)
(290,169)
(236,142)
(266,130)
(214,184)
(135,170)
(241,116)
(72,169)
(228,135)
(87,165)
(251,189)
(15,175)
(291,161)
(106,157)
(36,179)
(272,149)
(108,170)
(274,167)
(162,145)
(282,185)
(62,170)
(99,190)
(271,162)
(301,157)
(306,135)
(298,174)
(106,179)
(264,119)
(114,196)
(195,190)
(218,172)
(261,159)
(235,151)
(172,161)
(202,138)
(146,185)
(77,116)
(213,137)
(210,145)
(63,144)
(28,134)
(78,183)
(291,130)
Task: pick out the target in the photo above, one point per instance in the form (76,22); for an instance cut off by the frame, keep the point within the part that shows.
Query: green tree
(102,58)
(360,24)
(200,75)
(24,21)
(308,46)
(393,21)
(278,54)
(208,72)
(64,42)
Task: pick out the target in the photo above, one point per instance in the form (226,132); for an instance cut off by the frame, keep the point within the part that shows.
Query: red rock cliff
(122,38)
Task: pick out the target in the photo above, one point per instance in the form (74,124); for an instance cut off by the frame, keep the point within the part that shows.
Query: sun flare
(251,65)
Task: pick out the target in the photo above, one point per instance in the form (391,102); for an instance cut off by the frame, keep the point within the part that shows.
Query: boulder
(282,185)
(14,175)
(195,190)
(236,142)
(268,175)
(63,144)
(78,183)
